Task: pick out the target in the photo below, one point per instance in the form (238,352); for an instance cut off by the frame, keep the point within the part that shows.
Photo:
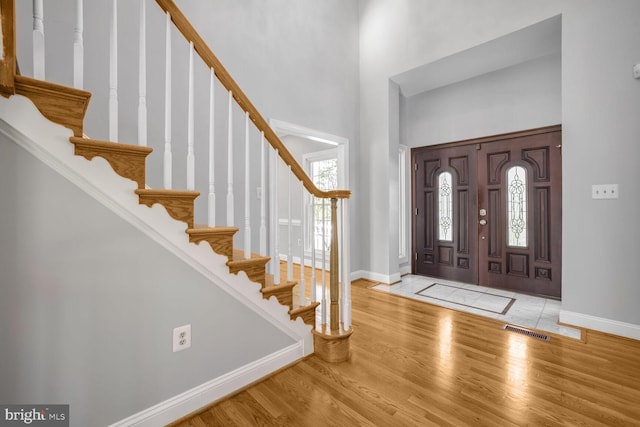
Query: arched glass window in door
(445,207)
(517,206)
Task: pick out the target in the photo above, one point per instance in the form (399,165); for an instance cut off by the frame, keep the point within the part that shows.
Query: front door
(488,211)
(520,225)
(445,202)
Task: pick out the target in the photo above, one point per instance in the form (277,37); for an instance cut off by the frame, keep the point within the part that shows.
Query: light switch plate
(604,191)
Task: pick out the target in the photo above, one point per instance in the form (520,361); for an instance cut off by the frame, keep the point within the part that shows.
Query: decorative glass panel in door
(517,206)
(445,207)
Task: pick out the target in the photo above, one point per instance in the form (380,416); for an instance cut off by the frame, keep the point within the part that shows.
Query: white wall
(521,97)
(88,304)
(601,131)
(600,106)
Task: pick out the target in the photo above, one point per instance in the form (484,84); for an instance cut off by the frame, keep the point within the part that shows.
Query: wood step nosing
(109,146)
(25,83)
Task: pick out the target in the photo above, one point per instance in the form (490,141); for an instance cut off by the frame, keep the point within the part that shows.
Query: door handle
(483,222)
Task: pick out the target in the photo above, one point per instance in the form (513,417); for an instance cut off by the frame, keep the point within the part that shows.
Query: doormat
(468,298)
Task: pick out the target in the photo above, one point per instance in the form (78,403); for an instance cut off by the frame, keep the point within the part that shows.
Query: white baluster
(263,198)
(324,259)
(345,304)
(113,74)
(168,157)
(78,47)
(247,190)
(191,172)
(312,225)
(230,220)
(303,223)
(212,178)
(142,77)
(276,224)
(289,230)
(38,40)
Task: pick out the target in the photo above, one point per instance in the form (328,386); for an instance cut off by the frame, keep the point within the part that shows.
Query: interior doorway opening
(325,159)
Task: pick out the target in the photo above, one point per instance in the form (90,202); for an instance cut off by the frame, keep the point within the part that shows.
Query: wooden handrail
(189,32)
(8,62)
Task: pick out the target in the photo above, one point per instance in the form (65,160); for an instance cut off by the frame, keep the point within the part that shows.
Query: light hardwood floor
(415,364)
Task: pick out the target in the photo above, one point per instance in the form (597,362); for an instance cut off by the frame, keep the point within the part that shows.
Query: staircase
(67,106)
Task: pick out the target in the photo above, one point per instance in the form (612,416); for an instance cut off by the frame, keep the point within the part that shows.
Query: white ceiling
(535,41)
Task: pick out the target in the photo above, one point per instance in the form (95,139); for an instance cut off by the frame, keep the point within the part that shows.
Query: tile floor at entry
(526,310)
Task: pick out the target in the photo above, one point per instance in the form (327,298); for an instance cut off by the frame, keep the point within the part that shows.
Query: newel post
(8,54)
(331,342)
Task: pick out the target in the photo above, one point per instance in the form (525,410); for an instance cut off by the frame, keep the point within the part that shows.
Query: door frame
(283,128)
(472,141)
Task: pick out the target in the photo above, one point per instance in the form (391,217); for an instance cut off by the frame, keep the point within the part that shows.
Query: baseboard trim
(198,397)
(405,269)
(615,327)
(376,277)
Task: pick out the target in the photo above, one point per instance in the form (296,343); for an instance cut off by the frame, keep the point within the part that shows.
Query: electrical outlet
(604,191)
(181,338)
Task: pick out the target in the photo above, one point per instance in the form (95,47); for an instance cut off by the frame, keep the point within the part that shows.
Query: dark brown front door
(446,205)
(488,211)
(519,188)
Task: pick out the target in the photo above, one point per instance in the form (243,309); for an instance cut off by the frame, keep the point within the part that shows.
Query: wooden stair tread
(304,308)
(219,238)
(269,281)
(254,267)
(282,287)
(178,203)
(306,312)
(283,292)
(238,255)
(63,105)
(167,193)
(111,146)
(215,227)
(128,161)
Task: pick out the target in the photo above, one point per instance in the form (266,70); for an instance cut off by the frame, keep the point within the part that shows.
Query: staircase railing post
(334,285)
(78,47)
(263,195)
(113,73)
(168,156)
(142,76)
(191,111)
(230,198)
(38,40)
(345,302)
(8,58)
(247,189)
(212,158)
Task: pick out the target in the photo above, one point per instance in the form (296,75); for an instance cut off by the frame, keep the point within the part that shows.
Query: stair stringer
(50,144)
